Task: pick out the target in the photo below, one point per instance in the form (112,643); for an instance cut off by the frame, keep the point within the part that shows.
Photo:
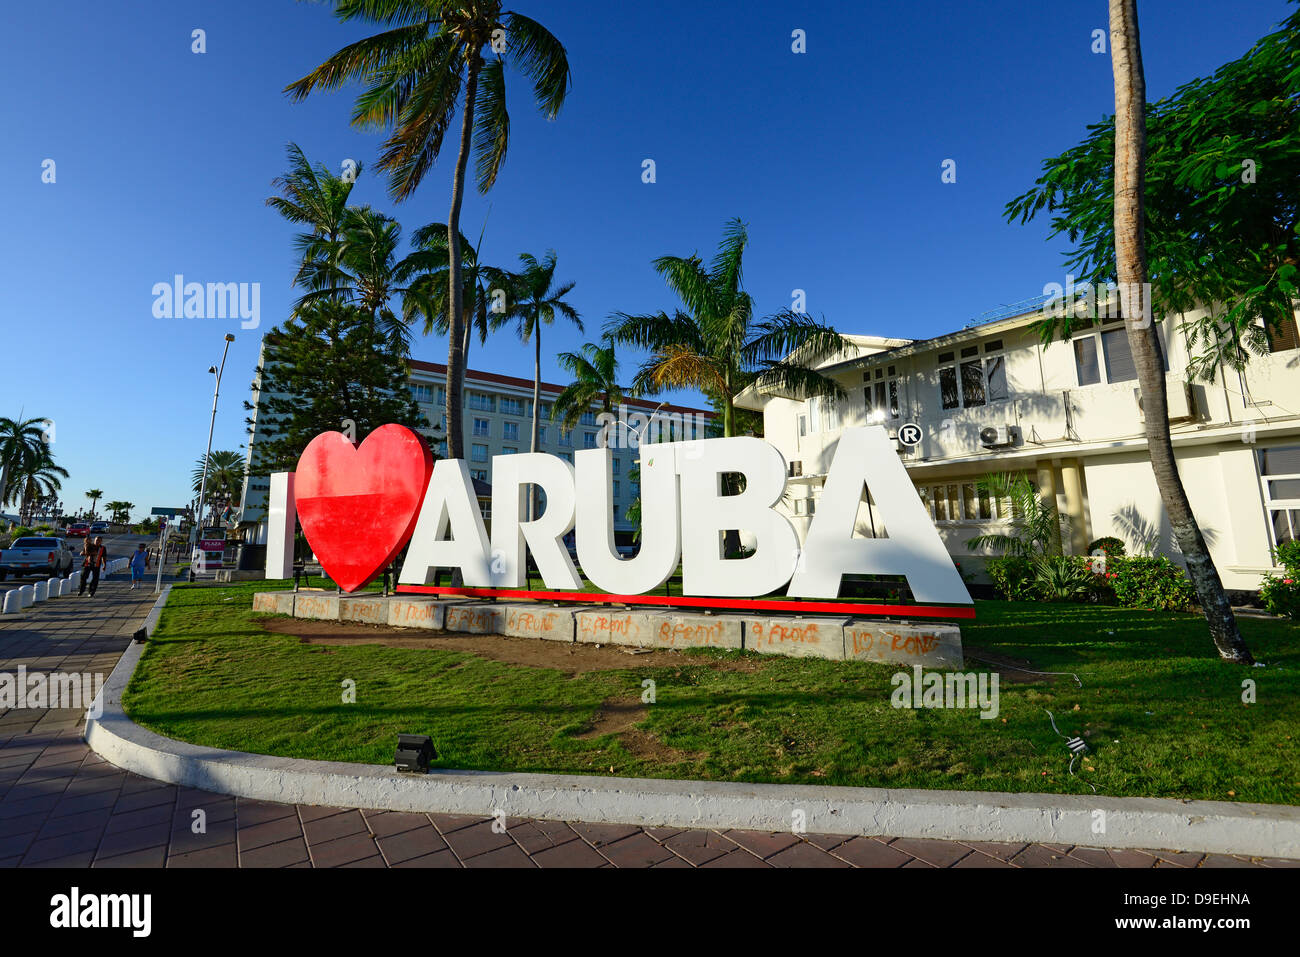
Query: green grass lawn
(1162,716)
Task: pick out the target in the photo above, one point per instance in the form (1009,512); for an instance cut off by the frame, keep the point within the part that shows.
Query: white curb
(1260,830)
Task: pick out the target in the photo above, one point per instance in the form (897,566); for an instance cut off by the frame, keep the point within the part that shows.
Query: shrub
(1061,577)
(1110,547)
(1281,596)
(1012,577)
(1155,583)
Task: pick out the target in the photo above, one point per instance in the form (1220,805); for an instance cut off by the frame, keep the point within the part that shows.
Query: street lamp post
(203,482)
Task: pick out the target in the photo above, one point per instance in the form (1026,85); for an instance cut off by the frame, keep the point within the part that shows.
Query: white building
(991,398)
(497,412)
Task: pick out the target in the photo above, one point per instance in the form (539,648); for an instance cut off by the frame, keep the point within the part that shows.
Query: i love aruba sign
(361,505)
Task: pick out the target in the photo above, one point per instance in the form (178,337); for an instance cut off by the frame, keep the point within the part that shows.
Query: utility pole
(203,483)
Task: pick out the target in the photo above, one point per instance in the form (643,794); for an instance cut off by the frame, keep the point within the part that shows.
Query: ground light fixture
(414,752)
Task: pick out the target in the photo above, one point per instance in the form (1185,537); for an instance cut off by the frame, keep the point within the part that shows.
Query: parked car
(97,528)
(78,530)
(37,557)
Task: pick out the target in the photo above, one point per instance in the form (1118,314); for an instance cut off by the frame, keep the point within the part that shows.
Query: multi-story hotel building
(991,398)
(497,413)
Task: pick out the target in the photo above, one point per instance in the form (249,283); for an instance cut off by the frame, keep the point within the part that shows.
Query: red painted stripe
(743,604)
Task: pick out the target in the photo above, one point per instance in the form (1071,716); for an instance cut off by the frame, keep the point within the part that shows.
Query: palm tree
(95,494)
(119,512)
(427,268)
(716,346)
(34,476)
(315,197)
(1131,266)
(21,440)
(225,471)
(415,71)
(537,301)
(364,273)
(1037,528)
(595,381)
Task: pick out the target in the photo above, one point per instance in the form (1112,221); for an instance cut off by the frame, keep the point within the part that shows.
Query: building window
(881,391)
(481,401)
(969,379)
(442,395)
(442,449)
(480,474)
(588,440)
(510,431)
(617,489)
(1279,470)
(805,506)
(822,414)
(481,427)
(541,434)
(794,469)
(422,393)
(567,456)
(618,464)
(511,406)
(566,439)
(1283,336)
(478,453)
(1103,355)
(509,450)
(963,502)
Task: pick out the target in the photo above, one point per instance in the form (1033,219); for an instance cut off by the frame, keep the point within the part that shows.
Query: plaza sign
(360,505)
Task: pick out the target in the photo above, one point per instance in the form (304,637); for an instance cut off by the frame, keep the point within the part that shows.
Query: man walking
(94,557)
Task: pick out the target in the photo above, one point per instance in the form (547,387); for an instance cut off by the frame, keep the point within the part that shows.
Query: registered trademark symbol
(910,434)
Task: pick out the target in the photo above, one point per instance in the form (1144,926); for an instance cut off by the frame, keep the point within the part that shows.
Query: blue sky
(164,158)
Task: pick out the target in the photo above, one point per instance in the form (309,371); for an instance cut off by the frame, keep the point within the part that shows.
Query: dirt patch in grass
(570,657)
(620,717)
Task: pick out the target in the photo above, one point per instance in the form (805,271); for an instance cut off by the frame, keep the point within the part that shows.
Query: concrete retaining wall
(891,642)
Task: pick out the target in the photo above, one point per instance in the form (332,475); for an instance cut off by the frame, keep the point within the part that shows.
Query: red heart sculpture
(359,505)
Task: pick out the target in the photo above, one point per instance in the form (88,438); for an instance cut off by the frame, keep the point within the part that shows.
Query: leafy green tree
(1221,204)
(435,57)
(327,369)
(716,345)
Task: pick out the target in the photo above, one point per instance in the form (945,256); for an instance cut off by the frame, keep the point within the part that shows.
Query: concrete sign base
(857,639)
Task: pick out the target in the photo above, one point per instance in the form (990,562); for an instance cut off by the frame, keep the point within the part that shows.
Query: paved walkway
(61,805)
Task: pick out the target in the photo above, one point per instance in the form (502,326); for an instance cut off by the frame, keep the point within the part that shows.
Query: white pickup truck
(33,556)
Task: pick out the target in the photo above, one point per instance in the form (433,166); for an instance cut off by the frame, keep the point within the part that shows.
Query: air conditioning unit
(1180,398)
(997,436)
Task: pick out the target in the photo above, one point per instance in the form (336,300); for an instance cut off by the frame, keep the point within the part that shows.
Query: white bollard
(65,587)
(27,593)
(13,602)
(40,591)
(54,587)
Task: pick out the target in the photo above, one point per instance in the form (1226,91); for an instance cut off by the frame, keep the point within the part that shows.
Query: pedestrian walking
(139,564)
(93,558)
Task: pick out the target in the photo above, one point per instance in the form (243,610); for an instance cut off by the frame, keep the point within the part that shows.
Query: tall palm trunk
(533,497)
(1131,262)
(456,316)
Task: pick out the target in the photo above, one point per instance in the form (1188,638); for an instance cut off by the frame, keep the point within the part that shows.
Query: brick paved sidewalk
(61,805)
